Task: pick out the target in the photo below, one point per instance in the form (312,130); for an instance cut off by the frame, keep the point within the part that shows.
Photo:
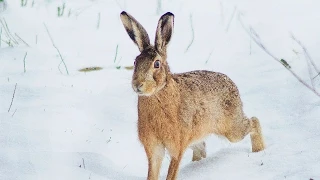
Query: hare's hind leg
(199,151)
(239,129)
(256,135)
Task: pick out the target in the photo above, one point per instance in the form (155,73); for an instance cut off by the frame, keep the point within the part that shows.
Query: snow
(83,125)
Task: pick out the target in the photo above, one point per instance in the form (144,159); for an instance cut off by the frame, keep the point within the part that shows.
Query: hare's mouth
(141,92)
(143,89)
(144,94)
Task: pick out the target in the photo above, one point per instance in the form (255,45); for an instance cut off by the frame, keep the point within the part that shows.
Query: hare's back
(209,86)
(205,82)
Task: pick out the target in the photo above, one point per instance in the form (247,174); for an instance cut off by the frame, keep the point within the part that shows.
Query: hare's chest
(165,127)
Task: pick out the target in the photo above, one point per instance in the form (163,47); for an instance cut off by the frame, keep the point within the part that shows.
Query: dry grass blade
(129,67)
(90,69)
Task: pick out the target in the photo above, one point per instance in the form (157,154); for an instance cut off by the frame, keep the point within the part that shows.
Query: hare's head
(150,67)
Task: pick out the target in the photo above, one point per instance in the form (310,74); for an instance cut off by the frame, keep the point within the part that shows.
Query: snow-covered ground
(83,125)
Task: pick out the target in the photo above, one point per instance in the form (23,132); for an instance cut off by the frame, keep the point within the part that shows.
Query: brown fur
(177,111)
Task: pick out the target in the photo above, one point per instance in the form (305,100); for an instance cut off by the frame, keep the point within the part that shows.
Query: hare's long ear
(164,32)
(135,30)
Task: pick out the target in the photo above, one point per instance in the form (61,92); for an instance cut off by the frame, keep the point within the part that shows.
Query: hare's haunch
(177,111)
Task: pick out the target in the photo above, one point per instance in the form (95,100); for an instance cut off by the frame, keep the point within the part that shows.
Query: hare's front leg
(155,154)
(174,167)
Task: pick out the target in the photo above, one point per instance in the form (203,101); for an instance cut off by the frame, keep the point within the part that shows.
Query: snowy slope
(83,125)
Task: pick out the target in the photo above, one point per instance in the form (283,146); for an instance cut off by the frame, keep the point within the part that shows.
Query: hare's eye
(134,63)
(156,64)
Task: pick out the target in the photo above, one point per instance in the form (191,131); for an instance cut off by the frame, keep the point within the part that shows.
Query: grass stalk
(98,24)
(14,92)
(116,54)
(24,63)
(22,40)
(62,60)
(192,31)
(231,18)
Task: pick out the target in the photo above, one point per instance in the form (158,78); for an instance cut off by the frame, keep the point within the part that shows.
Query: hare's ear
(164,32)
(135,30)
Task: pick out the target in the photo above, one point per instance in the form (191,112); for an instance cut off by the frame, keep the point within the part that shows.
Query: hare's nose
(139,87)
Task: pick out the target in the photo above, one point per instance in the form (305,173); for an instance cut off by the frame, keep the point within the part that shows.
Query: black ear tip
(123,13)
(168,14)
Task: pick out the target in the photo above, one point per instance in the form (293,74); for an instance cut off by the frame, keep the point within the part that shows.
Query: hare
(177,111)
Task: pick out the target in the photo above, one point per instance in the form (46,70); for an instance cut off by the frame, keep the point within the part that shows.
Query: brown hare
(177,111)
